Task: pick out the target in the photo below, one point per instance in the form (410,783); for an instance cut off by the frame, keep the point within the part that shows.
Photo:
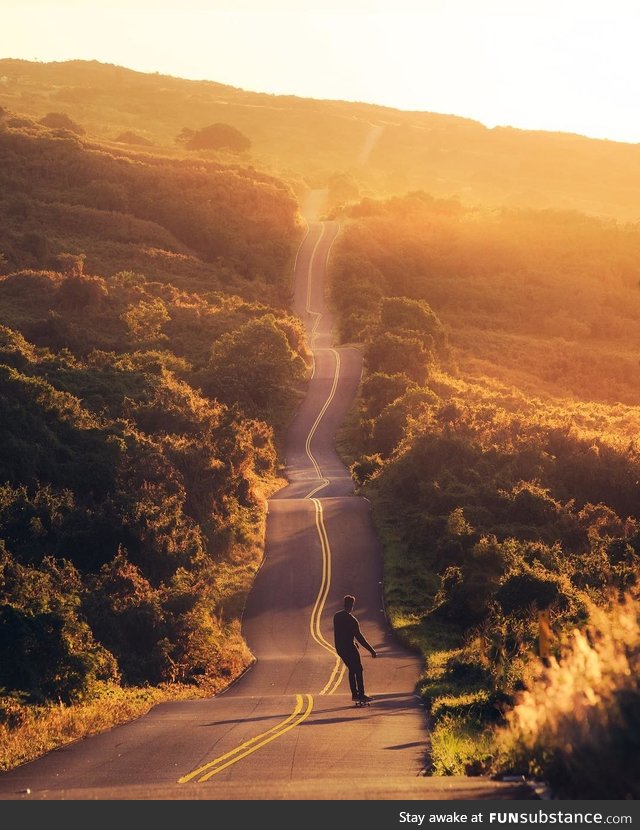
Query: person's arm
(362,639)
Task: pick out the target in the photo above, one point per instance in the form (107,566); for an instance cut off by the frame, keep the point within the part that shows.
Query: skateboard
(360,703)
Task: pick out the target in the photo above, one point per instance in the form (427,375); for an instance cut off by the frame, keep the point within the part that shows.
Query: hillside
(546,301)
(148,366)
(496,437)
(375,150)
(200,223)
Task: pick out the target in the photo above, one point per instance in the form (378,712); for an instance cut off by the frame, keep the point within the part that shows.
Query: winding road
(287,729)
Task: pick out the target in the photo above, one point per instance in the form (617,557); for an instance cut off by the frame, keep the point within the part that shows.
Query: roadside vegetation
(141,408)
(495,503)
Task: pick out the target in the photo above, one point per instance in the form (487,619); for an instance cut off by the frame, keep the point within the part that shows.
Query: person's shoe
(365,699)
(355,697)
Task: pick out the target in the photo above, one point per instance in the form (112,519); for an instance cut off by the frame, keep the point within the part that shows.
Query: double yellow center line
(338,670)
(317,315)
(304,705)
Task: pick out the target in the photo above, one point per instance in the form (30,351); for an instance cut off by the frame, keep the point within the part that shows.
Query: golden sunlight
(569,66)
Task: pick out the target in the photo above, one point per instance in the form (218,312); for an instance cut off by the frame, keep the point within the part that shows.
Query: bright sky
(571,65)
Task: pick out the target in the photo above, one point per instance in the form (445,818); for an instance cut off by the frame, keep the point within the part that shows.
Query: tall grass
(578,721)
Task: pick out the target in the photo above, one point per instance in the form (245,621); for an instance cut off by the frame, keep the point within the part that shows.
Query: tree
(379,390)
(78,291)
(214,137)
(47,650)
(146,319)
(389,426)
(61,121)
(414,316)
(255,367)
(392,355)
(71,264)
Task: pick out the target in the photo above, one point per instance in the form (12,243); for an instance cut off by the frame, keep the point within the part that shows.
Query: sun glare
(569,66)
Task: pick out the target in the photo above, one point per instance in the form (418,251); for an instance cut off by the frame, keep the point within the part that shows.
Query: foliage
(494,503)
(61,121)
(330,142)
(129,137)
(577,720)
(255,366)
(215,137)
(133,467)
(546,301)
(129,484)
(47,650)
(203,225)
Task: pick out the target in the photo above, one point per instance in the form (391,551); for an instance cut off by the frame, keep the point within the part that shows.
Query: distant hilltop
(444,155)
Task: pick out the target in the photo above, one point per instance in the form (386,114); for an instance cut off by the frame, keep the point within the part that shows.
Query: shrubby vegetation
(61,121)
(546,301)
(114,462)
(140,419)
(214,137)
(129,137)
(577,721)
(145,362)
(494,504)
(199,224)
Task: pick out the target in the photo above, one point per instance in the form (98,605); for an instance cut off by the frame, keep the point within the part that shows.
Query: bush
(393,354)
(577,723)
(134,139)
(521,591)
(256,368)
(215,137)
(379,390)
(47,650)
(61,121)
(126,614)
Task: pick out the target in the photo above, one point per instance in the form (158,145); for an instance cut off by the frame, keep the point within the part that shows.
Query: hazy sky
(569,65)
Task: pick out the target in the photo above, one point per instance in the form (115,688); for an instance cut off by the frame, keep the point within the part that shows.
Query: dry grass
(578,722)
(30,731)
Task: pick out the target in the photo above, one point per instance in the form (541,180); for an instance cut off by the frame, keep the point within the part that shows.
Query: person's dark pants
(352,661)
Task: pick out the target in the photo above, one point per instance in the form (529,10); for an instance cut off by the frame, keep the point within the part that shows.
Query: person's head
(349,602)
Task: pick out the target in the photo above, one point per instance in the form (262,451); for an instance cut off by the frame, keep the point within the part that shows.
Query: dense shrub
(61,121)
(215,137)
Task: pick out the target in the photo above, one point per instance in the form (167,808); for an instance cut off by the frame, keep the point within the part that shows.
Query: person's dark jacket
(346,629)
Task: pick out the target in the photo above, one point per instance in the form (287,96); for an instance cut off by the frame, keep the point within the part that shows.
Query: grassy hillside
(376,150)
(547,301)
(497,501)
(201,224)
(147,368)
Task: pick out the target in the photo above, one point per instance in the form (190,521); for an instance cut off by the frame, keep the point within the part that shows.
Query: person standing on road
(347,635)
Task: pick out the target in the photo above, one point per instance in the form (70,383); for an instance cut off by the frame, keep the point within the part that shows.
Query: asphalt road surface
(288,728)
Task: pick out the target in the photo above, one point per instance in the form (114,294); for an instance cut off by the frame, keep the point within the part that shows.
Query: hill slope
(496,436)
(445,155)
(146,366)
